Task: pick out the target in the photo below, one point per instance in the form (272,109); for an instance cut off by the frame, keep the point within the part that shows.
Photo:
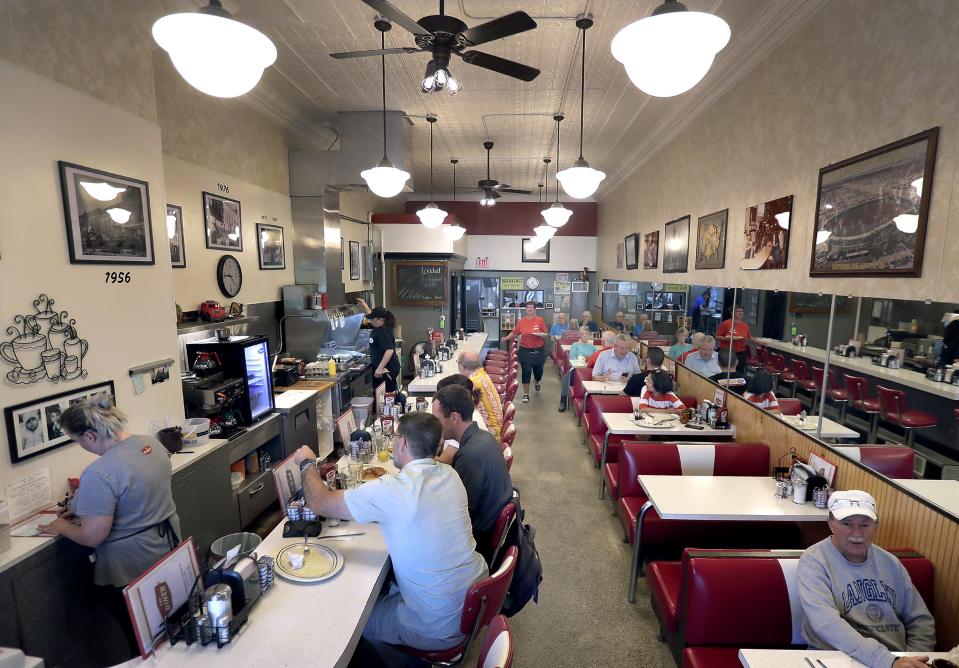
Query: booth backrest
(605,403)
(579,375)
(890,460)
(790,406)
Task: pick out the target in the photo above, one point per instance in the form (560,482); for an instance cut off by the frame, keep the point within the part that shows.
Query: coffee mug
(42,322)
(58,335)
(51,362)
(25,351)
(70,365)
(76,347)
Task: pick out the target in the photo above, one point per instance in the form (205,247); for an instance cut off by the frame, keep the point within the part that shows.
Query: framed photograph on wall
(871,210)
(354,260)
(620,255)
(766,235)
(224,226)
(676,249)
(632,251)
(531,254)
(33,427)
(651,250)
(271,246)
(711,240)
(174,232)
(107,216)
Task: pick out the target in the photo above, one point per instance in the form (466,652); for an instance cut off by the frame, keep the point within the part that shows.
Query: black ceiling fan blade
(504,26)
(396,16)
(516,190)
(508,67)
(373,52)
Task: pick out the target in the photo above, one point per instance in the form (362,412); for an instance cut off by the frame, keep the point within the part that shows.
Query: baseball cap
(378,312)
(852,502)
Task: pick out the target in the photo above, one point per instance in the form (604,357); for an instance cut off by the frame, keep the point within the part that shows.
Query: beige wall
(859,74)
(350,231)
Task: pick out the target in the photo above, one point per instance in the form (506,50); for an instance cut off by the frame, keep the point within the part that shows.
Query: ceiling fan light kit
(215,53)
(669,52)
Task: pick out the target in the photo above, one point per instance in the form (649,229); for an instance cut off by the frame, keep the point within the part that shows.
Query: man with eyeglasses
(856,597)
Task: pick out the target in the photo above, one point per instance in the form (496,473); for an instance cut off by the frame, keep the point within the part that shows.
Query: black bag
(529,570)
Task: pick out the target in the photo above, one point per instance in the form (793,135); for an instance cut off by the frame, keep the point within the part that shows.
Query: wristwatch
(305,464)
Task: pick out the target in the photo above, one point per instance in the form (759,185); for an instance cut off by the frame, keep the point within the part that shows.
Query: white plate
(657,422)
(332,563)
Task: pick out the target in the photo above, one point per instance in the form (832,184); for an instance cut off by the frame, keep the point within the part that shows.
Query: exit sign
(482,263)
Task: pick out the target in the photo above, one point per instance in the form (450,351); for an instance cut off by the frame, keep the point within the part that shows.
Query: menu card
(28,494)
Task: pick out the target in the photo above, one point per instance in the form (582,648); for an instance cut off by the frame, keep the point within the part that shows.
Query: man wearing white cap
(856,597)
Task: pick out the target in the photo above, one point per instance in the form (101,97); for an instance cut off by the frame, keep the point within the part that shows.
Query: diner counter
(473,343)
(320,386)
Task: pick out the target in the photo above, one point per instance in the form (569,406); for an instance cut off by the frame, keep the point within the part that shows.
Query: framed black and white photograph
(354,260)
(711,240)
(766,235)
(871,210)
(271,246)
(676,248)
(620,255)
(174,232)
(224,226)
(632,251)
(33,427)
(107,216)
(532,253)
(651,250)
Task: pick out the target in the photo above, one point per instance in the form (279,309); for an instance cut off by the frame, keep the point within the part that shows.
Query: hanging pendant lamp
(431,215)
(557,215)
(543,231)
(671,51)
(384,179)
(581,180)
(215,53)
(454,231)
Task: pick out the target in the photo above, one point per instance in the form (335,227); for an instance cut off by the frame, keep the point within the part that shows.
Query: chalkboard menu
(419,283)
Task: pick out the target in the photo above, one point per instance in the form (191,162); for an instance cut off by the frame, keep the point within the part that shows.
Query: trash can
(248,542)
(362,408)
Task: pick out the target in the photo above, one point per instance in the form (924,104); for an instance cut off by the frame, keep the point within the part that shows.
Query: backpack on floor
(529,570)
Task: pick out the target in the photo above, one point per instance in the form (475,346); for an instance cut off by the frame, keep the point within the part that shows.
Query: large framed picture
(711,240)
(632,251)
(354,260)
(271,247)
(871,210)
(107,216)
(676,250)
(224,226)
(651,250)
(766,235)
(620,255)
(532,254)
(33,427)
(174,232)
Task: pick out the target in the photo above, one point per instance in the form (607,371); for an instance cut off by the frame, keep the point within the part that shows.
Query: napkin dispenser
(243,578)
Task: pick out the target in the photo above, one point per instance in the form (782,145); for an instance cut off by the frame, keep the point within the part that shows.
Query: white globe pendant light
(431,215)
(556,215)
(580,180)
(669,52)
(384,179)
(536,243)
(213,52)
(454,231)
(545,231)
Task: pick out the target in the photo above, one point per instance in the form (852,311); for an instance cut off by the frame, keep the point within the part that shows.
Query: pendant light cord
(556,173)
(454,182)
(582,98)
(383,71)
(431,161)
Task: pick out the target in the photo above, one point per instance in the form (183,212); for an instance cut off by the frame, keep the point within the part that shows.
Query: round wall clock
(229,276)
(657,286)
(532,282)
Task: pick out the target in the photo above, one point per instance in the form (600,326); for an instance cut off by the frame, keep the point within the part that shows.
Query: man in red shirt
(609,337)
(532,333)
(739,332)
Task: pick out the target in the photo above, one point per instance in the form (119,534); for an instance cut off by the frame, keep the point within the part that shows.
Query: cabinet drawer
(256,496)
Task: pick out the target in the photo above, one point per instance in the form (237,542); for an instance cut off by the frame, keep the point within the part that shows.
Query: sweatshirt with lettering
(866,610)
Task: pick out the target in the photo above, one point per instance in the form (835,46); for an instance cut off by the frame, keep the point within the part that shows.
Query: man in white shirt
(424,517)
(705,362)
(618,363)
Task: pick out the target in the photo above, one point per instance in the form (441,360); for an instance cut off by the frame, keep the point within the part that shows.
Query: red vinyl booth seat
(596,428)
(890,460)
(577,391)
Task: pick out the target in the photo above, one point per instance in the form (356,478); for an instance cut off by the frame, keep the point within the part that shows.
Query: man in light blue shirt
(705,362)
(618,363)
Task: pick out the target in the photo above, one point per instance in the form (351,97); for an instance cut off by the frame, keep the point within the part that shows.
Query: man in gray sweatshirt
(856,597)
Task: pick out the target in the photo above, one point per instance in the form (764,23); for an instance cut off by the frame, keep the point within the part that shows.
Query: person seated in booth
(619,322)
(584,347)
(618,363)
(588,321)
(759,391)
(658,396)
(609,338)
(490,405)
(682,345)
(559,326)
(424,515)
(449,447)
(729,364)
(856,597)
(636,384)
(478,460)
(642,325)
(705,361)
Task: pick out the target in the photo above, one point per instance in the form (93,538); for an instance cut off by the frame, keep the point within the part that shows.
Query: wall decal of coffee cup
(44,344)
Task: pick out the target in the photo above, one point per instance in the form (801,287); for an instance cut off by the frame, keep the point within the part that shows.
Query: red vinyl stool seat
(856,396)
(892,409)
(838,394)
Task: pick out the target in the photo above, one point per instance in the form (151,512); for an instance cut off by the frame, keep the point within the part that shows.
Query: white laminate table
(283,624)
(473,343)
(715,498)
(566,347)
(830,428)
(796,658)
(601,387)
(943,493)
(578,363)
(623,424)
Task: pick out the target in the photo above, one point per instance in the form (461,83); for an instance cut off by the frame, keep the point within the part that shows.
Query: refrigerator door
(259,382)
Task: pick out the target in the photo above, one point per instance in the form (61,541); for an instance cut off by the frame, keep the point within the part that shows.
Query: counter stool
(856,396)
(837,394)
(813,386)
(892,409)
(776,365)
(757,360)
(798,373)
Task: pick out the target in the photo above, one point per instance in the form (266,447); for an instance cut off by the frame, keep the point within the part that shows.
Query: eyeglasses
(849,502)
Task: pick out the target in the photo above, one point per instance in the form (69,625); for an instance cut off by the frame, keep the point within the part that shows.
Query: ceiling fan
(490,187)
(445,36)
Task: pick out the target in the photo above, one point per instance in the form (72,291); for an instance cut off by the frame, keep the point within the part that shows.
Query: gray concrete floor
(583,617)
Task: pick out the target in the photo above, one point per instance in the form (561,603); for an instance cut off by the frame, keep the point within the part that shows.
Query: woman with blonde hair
(682,344)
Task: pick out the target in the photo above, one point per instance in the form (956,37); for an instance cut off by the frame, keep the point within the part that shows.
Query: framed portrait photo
(107,216)
(632,251)
(33,427)
(676,250)
(174,232)
(766,235)
(532,253)
(651,250)
(270,246)
(354,260)
(223,224)
(711,240)
(871,210)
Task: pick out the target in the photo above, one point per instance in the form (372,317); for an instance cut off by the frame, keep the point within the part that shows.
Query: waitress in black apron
(386,365)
